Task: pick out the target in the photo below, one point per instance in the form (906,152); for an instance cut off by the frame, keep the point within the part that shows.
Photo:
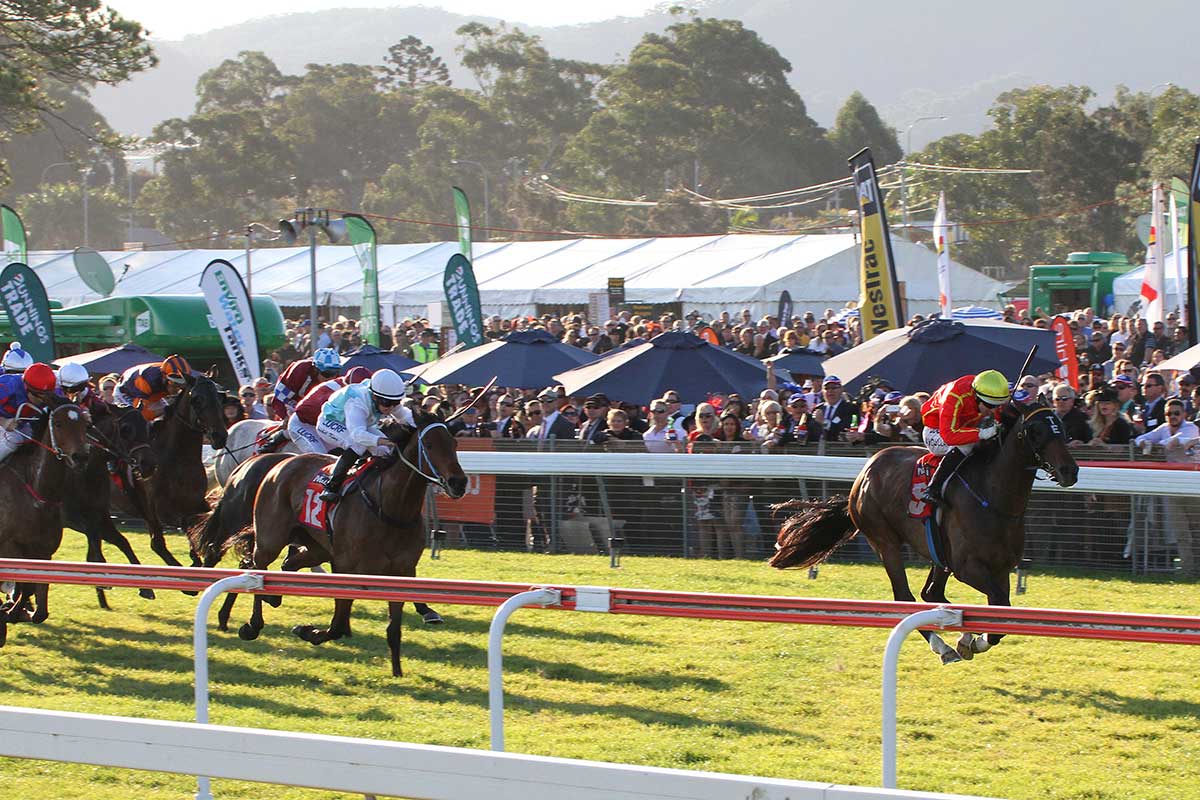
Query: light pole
(289,230)
(904,166)
(487,223)
(250,236)
(85,173)
(49,167)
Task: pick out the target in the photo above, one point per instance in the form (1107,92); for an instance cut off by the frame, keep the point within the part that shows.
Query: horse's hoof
(950,657)
(273,600)
(39,616)
(307,633)
(965,647)
(146,594)
(8,587)
(317,568)
(248,633)
(189,592)
(432,617)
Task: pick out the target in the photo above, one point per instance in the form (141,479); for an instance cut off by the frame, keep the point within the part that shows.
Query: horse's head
(1041,432)
(434,453)
(201,402)
(132,432)
(65,432)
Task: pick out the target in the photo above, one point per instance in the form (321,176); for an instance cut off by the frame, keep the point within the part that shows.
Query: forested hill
(936,57)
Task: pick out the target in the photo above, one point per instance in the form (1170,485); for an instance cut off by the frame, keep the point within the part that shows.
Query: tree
(72,42)
(248,83)
(53,217)
(858,125)
(412,65)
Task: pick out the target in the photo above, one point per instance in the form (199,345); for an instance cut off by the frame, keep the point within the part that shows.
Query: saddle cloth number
(922,473)
(314,509)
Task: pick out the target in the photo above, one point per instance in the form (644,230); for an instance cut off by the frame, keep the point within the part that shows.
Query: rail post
(940,617)
(535,597)
(200,646)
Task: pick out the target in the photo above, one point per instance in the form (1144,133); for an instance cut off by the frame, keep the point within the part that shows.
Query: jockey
(16,360)
(958,416)
(74,381)
(35,386)
(300,377)
(302,425)
(350,420)
(147,387)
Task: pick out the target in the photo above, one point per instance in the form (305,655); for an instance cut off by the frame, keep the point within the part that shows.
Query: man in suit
(592,431)
(835,416)
(554,424)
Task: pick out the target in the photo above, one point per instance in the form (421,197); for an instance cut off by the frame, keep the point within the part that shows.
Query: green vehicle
(163,324)
(1085,281)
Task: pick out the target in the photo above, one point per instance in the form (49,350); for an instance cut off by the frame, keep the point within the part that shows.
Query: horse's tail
(811,534)
(212,537)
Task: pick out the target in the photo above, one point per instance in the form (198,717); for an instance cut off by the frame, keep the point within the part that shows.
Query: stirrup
(331,494)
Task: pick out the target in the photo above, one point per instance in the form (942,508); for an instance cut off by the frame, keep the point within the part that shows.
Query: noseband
(433,476)
(1039,460)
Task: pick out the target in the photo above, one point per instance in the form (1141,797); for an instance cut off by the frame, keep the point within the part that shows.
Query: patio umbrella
(798,361)
(523,359)
(374,359)
(975,312)
(923,357)
(111,359)
(672,360)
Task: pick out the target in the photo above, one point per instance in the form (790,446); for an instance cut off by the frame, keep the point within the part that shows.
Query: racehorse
(33,481)
(241,445)
(176,491)
(983,523)
(376,529)
(121,438)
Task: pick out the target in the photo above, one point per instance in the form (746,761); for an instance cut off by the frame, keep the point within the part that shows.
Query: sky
(174,19)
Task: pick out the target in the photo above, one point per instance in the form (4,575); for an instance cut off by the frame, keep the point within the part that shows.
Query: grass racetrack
(1033,718)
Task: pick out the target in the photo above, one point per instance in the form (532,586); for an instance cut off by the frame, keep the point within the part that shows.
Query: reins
(1040,463)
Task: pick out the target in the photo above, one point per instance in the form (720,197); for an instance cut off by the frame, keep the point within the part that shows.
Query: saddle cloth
(261,438)
(313,510)
(921,475)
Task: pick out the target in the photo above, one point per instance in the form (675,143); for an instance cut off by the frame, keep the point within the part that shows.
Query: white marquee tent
(1127,288)
(708,273)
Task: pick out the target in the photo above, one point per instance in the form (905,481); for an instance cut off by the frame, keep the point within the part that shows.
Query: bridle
(1055,424)
(433,476)
(104,443)
(53,447)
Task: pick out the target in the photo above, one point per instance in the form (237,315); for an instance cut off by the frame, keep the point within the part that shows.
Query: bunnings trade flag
(943,257)
(14,235)
(462,295)
(24,299)
(229,305)
(1152,274)
(1193,261)
(362,237)
(462,216)
(879,291)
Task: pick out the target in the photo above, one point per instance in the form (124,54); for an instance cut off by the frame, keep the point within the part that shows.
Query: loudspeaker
(290,230)
(335,229)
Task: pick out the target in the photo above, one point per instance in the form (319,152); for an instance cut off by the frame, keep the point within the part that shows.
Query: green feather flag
(362,237)
(462,215)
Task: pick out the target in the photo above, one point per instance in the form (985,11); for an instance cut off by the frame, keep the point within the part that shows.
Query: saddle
(918,508)
(314,512)
(265,441)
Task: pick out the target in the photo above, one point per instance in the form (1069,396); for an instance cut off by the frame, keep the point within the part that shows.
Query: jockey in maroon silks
(299,379)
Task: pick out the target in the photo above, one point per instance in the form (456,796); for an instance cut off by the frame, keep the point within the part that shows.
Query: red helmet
(40,377)
(357,375)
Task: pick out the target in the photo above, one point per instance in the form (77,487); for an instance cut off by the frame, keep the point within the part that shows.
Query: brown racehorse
(176,492)
(120,437)
(33,481)
(376,530)
(984,522)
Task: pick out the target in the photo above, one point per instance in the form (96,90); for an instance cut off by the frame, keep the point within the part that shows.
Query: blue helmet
(327,360)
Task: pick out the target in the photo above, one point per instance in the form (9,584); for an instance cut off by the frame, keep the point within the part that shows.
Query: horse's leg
(893,561)
(993,583)
(265,553)
(95,555)
(935,586)
(430,616)
(109,533)
(339,626)
(41,596)
(393,634)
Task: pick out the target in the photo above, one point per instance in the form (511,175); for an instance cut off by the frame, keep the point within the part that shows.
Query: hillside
(948,58)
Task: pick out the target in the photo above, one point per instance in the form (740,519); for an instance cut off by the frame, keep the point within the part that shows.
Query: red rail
(646,602)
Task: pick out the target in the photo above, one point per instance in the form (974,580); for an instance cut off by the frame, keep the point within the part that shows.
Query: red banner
(1064,344)
(478,505)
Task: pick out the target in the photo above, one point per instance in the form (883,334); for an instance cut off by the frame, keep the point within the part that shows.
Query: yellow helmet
(991,387)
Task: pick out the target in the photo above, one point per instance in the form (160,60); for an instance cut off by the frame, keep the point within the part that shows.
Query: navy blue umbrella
(523,359)
(112,359)
(374,359)
(923,357)
(799,361)
(672,360)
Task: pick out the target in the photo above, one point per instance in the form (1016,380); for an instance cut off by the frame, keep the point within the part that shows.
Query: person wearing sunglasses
(251,407)
(1177,435)
(350,420)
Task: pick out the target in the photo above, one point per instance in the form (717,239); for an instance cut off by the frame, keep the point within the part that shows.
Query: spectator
(530,416)
(426,348)
(1126,394)
(1109,426)
(730,431)
(233,411)
(620,435)
(1176,435)
(1098,351)
(1074,420)
(595,427)
(909,425)
(108,385)
(706,422)
(835,416)
(553,423)
(768,428)
(796,423)
(508,425)
(251,408)
(660,436)
(1152,412)
(1118,355)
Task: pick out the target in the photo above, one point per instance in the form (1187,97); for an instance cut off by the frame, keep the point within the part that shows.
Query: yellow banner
(879,293)
(1192,315)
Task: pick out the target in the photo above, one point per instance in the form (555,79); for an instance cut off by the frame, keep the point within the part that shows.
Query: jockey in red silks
(959,415)
(300,378)
(302,425)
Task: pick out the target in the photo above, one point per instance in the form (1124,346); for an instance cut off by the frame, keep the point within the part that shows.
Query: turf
(1033,718)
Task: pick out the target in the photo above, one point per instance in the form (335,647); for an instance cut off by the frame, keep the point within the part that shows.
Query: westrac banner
(24,298)
(879,290)
(1193,260)
(229,306)
(1064,345)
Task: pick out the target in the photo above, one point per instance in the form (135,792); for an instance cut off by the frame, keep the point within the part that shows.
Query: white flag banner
(943,257)
(1179,255)
(1152,275)
(229,306)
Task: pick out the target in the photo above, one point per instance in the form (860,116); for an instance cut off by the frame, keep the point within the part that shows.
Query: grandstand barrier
(1078,624)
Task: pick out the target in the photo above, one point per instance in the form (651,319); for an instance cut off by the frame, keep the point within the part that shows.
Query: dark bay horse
(175,493)
(120,437)
(376,530)
(33,482)
(984,522)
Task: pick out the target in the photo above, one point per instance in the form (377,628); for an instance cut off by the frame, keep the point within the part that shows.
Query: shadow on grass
(1108,701)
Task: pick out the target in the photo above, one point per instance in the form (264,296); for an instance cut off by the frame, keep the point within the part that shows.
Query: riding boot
(275,441)
(945,468)
(333,490)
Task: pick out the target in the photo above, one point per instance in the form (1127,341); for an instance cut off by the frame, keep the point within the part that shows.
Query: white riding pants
(11,440)
(304,436)
(937,445)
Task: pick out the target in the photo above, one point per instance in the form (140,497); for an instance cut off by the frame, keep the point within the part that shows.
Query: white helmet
(16,359)
(387,385)
(72,377)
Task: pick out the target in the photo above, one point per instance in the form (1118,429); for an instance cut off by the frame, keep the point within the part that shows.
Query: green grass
(1033,718)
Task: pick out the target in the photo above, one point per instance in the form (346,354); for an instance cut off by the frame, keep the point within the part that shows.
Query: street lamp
(904,165)
(487,223)
(290,229)
(252,233)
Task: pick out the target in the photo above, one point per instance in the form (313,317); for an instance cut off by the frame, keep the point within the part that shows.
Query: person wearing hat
(958,416)
(34,386)
(593,430)
(1126,390)
(834,417)
(1108,424)
(426,349)
(350,420)
(554,424)
(16,359)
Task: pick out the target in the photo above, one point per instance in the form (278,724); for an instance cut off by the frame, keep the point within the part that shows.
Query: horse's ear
(211,372)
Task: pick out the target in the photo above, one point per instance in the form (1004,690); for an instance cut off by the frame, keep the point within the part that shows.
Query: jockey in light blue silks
(350,420)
